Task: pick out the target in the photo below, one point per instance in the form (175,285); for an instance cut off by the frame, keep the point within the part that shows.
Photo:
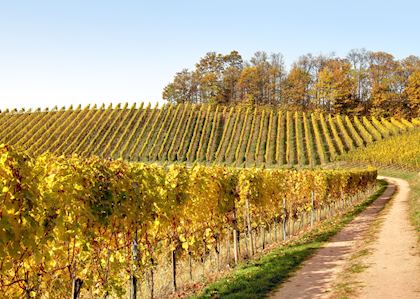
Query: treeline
(363,82)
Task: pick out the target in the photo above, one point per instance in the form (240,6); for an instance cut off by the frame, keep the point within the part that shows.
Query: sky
(86,52)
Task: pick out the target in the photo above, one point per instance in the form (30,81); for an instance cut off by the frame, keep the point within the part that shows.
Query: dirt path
(316,276)
(394,267)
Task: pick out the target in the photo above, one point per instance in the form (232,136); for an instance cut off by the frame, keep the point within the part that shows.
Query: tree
(410,64)
(362,83)
(359,60)
(182,89)
(312,65)
(218,75)
(276,75)
(249,85)
(382,75)
(412,92)
(261,79)
(231,74)
(209,71)
(295,88)
(214,80)
(336,86)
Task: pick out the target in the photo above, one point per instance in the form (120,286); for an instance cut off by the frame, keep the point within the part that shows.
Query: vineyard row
(195,133)
(98,224)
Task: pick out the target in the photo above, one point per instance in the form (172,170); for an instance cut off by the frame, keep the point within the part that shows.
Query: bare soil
(393,267)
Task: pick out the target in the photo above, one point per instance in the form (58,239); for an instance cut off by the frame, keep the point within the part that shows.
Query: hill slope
(190,133)
(402,151)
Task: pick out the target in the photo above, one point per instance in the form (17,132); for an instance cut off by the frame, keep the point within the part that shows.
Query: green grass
(413,180)
(357,268)
(257,278)
(361,253)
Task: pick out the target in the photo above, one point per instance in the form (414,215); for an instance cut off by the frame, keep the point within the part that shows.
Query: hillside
(195,133)
(402,151)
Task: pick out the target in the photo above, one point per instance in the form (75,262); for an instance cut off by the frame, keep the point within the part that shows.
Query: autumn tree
(359,60)
(261,79)
(383,80)
(412,92)
(295,88)
(231,74)
(249,85)
(335,86)
(213,80)
(362,83)
(183,88)
(209,71)
(312,65)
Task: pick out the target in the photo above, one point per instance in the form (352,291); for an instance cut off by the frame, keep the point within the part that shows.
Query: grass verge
(257,278)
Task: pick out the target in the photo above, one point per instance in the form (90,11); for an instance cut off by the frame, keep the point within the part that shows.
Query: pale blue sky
(71,52)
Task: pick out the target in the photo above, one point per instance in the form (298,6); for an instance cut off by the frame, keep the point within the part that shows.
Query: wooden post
(133,288)
(246,237)
(249,228)
(302,219)
(312,208)
(235,236)
(190,265)
(174,270)
(235,246)
(27,288)
(133,278)
(76,287)
(263,237)
(284,219)
(292,226)
(275,229)
(217,253)
(228,248)
(203,258)
(152,280)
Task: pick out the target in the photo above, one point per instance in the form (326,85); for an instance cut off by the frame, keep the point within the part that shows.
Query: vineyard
(99,224)
(82,207)
(237,136)
(257,165)
(402,151)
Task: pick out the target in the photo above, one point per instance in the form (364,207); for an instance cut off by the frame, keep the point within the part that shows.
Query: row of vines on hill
(98,224)
(398,151)
(192,133)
